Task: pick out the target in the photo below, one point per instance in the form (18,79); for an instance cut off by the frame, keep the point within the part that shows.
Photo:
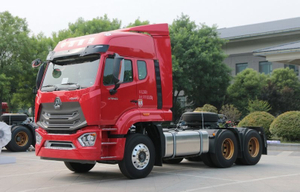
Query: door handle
(134,101)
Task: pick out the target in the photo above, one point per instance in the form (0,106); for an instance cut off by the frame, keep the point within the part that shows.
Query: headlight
(87,139)
(38,138)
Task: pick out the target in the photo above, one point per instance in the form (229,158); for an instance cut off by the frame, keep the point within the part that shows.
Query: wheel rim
(21,138)
(140,156)
(253,147)
(227,148)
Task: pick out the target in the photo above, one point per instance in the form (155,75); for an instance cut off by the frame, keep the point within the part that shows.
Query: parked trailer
(102,98)
(22,131)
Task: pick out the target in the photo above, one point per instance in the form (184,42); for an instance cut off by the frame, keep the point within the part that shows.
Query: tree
(231,112)
(82,27)
(14,42)
(258,105)
(247,85)
(39,47)
(138,22)
(198,67)
(282,91)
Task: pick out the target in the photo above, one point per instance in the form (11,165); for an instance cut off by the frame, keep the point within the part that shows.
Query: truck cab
(96,89)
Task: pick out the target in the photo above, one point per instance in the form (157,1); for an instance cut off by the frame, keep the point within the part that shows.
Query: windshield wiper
(77,86)
(46,88)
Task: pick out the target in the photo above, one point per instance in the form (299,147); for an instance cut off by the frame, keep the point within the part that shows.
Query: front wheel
(79,167)
(138,158)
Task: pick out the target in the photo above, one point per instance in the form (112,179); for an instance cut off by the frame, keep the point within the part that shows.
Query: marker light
(87,139)
(38,138)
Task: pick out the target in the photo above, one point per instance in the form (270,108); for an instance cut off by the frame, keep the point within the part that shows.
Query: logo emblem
(140,102)
(57,103)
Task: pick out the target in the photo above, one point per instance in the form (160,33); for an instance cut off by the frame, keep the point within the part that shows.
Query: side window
(108,71)
(142,69)
(128,77)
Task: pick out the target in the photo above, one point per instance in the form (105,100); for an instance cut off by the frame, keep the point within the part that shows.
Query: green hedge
(287,126)
(258,119)
(208,108)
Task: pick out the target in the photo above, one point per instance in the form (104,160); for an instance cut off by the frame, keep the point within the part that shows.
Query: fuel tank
(185,143)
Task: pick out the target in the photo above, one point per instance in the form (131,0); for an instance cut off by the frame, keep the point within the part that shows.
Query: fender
(133,116)
(155,131)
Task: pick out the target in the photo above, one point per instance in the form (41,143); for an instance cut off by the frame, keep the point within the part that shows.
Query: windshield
(71,73)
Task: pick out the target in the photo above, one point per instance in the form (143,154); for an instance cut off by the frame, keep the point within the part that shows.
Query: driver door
(113,106)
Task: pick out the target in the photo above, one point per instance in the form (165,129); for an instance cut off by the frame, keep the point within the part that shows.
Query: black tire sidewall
(126,165)
(206,158)
(217,157)
(79,167)
(248,159)
(13,146)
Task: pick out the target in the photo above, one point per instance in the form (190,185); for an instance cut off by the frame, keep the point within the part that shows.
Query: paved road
(278,171)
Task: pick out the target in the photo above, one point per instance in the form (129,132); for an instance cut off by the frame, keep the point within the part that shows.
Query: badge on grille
(57,103)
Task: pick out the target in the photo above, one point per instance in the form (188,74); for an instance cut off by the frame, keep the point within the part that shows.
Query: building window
(294,67)
(265,67)
(240,67)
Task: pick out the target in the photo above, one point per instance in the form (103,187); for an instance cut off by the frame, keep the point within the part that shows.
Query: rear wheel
(173,161)
(252,149)
(138,157)
(225,150)
(79,167)
(21,139)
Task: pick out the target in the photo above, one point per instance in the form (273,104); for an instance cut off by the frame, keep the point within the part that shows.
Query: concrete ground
(277,171)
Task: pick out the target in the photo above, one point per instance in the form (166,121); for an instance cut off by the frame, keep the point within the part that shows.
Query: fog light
(38,138)
(87,139)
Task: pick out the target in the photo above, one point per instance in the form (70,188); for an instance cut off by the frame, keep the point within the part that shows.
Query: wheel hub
(21,138)
(140,156)
(253,147)
(227,148)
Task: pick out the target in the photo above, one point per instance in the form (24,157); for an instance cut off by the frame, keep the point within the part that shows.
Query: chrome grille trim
(63,145)
(68,118)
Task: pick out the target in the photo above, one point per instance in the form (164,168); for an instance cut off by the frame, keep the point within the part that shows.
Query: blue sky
(52,16)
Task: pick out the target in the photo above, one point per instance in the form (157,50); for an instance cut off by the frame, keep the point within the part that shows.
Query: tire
(225,150)
(139,156)
(206,158)
(252,149)
(79,167)
(21,139)
(172,161)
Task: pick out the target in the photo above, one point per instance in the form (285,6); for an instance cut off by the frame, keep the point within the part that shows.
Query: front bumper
(67,146)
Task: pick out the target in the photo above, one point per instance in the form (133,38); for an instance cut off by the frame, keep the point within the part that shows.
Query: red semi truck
(102,98)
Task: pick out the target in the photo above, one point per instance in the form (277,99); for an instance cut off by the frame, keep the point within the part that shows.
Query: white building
(263,46)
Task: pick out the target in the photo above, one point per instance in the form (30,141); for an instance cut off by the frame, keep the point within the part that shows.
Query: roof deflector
(153,30)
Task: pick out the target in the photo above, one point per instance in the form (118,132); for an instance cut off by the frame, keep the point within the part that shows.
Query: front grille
(69,117)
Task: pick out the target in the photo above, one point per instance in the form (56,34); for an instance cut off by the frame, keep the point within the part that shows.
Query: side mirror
(39,76)
(118,72)
(36,63)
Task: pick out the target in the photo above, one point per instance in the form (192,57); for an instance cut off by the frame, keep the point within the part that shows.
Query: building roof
(260,29)
(288,47)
